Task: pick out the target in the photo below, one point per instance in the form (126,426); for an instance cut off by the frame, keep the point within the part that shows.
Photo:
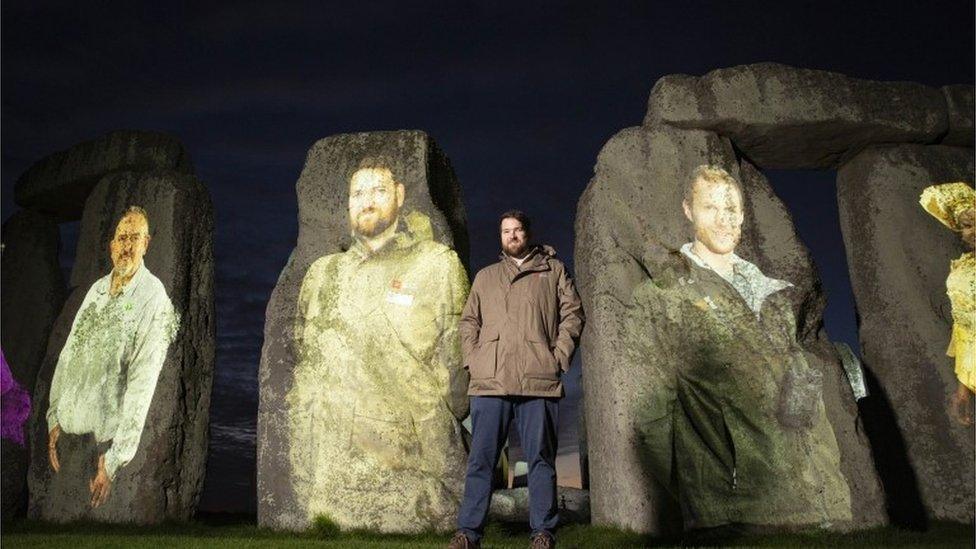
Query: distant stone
(512,505)
(959,100)
(786,117)
(898,257)
(628,221)
(59,183)
(361,400)
(164,479)
(32,292)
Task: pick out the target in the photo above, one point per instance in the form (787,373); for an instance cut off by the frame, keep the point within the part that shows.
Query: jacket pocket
(483,362)
(540,362)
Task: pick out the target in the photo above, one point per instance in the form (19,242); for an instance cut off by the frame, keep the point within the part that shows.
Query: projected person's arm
(450,344)
(469,325)
(63,379)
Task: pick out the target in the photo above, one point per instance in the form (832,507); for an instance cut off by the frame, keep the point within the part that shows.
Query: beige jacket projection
(379,387)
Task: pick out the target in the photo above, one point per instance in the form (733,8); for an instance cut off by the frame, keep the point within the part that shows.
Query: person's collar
(747,269)
(517,260)
(689,251)
(104,285)
(400,239)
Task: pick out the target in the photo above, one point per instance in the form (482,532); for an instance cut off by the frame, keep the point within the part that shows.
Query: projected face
(374,201)
(716,213)
(514,237)
(129,244)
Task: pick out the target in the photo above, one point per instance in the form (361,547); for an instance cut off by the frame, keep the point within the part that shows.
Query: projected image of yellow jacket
(379,387)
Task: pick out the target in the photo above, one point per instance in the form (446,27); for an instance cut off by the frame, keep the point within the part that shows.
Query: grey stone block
(58,184)
(898,257)
(786,117)
(165,478)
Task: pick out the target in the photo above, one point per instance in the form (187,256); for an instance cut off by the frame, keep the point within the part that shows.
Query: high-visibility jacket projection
(379,385)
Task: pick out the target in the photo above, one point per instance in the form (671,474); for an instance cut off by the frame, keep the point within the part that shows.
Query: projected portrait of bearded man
(379,386)
(107,370)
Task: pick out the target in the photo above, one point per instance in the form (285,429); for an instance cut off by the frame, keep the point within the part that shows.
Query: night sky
(520,99)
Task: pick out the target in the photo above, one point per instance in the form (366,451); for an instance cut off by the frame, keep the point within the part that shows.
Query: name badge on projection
(397,298)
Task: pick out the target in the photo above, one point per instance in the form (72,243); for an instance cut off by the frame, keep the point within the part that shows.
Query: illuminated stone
(59,183)
(629,223)
(362,389)
(164,479)
(898,257)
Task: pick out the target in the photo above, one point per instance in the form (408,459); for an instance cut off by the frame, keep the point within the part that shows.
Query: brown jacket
(520,326)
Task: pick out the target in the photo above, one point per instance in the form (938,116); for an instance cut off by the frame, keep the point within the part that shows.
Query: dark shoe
(461,541)
(542,540)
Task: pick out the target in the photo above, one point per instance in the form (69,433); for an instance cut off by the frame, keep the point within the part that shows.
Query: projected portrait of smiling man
(107,371)
(736,427)
(379,387)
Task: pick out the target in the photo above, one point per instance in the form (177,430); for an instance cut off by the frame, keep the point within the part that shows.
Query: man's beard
(125,267)
(370,229)
(515,250)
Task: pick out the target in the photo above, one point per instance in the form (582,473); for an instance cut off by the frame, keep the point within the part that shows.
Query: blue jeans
(535,419)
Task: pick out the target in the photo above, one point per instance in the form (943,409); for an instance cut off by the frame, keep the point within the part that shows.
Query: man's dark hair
(519,216)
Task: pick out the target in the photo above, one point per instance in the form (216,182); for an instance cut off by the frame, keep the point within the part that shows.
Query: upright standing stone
(628,220)
(898,257)
(59,183)
(290,460)
(32,292)
(164,479)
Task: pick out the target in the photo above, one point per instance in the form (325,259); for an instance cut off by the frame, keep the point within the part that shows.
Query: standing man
(519,329)
(107,370)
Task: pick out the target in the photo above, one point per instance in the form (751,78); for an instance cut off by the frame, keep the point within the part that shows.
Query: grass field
(239,535)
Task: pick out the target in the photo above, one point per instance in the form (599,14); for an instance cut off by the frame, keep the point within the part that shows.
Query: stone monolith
(32,292)
(787,117)
(628,221)
(898,257)
(164,478)
(361,382)
(58,184)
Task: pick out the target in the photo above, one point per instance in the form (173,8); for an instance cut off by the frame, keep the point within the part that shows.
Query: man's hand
(52,448)
(100,485)
(960,408)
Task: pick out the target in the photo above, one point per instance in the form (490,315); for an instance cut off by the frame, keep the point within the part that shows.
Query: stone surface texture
(32,292)
(59,183)
(898,257)
(165,478)
(323,195)
(628,220)
(786,117)
(959,101)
